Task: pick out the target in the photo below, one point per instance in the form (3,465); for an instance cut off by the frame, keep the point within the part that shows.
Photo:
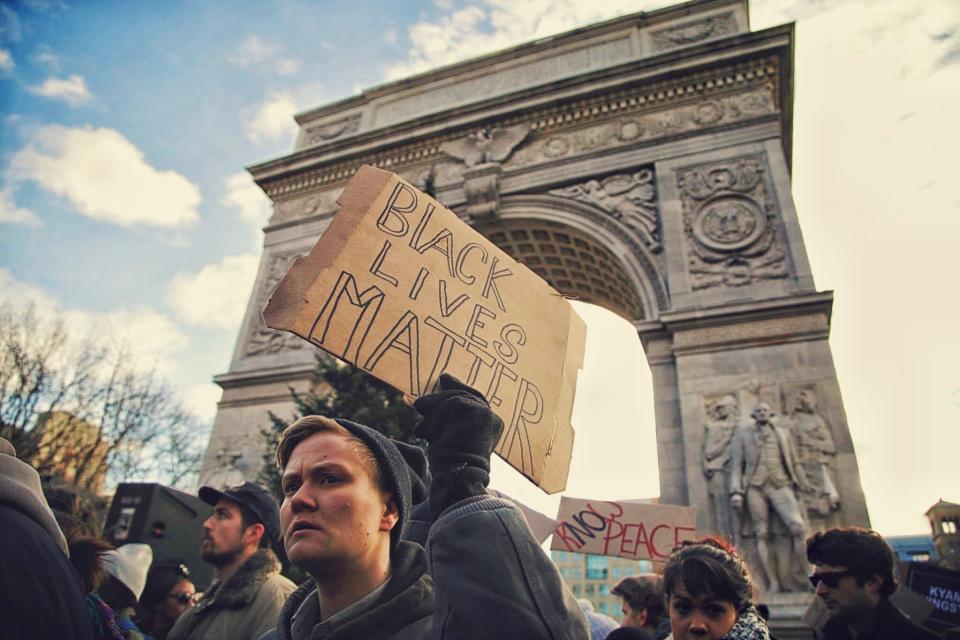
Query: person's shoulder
(280,583)
(896,624)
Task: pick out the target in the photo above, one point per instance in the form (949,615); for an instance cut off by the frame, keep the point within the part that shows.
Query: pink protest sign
(626,528)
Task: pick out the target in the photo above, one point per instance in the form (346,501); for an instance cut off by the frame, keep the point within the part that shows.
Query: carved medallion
(728,223)
(729,213)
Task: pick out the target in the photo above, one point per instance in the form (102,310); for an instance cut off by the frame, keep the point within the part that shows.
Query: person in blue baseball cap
(248,591)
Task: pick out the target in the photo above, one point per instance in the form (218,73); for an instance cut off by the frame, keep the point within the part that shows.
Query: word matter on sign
(402,288)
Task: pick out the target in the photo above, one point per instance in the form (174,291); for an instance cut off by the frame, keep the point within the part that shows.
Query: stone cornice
(717,81)
(482,64)
(736,325)
(293,373)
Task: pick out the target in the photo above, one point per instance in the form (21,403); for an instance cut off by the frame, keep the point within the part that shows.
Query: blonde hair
(310,425)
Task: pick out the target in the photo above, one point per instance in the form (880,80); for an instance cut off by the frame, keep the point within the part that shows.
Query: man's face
(634,618)
(762,413)
(846,600)
(223,533)
(333,515)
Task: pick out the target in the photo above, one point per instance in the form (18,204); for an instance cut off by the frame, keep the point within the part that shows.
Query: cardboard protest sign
(627,528)
(402,288)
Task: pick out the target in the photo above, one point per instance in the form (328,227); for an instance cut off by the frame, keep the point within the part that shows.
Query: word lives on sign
(402,288)
(627,528)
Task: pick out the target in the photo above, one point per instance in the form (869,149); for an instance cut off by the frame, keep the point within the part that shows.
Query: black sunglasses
(183,597)
(829,578)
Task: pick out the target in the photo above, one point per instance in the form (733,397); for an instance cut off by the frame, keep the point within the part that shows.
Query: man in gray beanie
(347,501)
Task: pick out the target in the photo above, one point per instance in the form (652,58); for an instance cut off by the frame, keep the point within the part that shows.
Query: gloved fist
(458,418)
(461,432)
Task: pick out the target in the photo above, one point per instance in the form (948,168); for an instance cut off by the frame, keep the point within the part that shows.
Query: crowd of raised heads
(391,541)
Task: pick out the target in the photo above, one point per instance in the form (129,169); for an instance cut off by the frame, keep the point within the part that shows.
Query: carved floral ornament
(629,129)
(264,341)
(331,130)
(629,198)
(695,31)
(314,204)
(729,216)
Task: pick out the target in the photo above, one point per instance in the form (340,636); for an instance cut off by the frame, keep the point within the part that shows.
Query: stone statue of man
(765,473)
(717,442)
(815,449)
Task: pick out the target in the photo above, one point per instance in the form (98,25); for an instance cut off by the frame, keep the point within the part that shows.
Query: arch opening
(571,261)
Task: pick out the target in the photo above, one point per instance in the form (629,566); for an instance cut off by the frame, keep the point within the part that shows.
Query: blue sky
(124,130)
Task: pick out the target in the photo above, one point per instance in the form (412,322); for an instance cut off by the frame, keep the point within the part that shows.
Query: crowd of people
(397,543)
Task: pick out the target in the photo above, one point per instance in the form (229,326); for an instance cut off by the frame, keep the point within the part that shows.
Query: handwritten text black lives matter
(472,334)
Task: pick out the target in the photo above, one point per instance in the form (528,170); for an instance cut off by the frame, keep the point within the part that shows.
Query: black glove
(461,432)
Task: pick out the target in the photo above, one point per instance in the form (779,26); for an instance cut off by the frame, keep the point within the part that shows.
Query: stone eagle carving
(486,145)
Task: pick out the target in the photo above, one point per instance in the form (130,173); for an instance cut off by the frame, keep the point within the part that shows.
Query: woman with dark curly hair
(709,594)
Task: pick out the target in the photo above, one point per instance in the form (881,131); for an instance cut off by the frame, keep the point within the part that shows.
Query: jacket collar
(407,598)
(239,590)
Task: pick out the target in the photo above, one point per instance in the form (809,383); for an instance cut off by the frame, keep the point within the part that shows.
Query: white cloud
(491,25)
(23,294)
(10,213)
(272,119)
(6,61)
(390,36)
(255,52)
(153,339)
(216,295)
(72,90)
(243,194)
(202,399)
(105,177)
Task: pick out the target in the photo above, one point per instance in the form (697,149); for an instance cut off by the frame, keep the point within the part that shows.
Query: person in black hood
(347,503)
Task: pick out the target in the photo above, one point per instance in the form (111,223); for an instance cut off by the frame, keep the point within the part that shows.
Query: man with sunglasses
(853,575)
(248,592)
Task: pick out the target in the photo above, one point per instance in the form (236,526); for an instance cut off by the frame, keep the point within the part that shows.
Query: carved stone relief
(317,134)
(641,127)
(723,416)
(770,531)
(688,33)
(816,451)
(486,145)
(730,221)
(264,341)
(630,198)
(322,203)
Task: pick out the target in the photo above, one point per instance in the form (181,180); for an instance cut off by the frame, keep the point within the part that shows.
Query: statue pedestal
(786,613)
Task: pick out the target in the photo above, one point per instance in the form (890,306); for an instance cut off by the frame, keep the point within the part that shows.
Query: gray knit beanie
(394,469)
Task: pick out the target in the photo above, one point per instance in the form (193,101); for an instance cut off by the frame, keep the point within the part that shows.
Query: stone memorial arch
(640,164)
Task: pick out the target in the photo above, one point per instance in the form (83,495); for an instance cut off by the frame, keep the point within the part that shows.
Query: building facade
(593,577)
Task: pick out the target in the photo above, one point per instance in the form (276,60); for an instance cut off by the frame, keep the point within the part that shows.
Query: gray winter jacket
(245,605)
(483,576)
